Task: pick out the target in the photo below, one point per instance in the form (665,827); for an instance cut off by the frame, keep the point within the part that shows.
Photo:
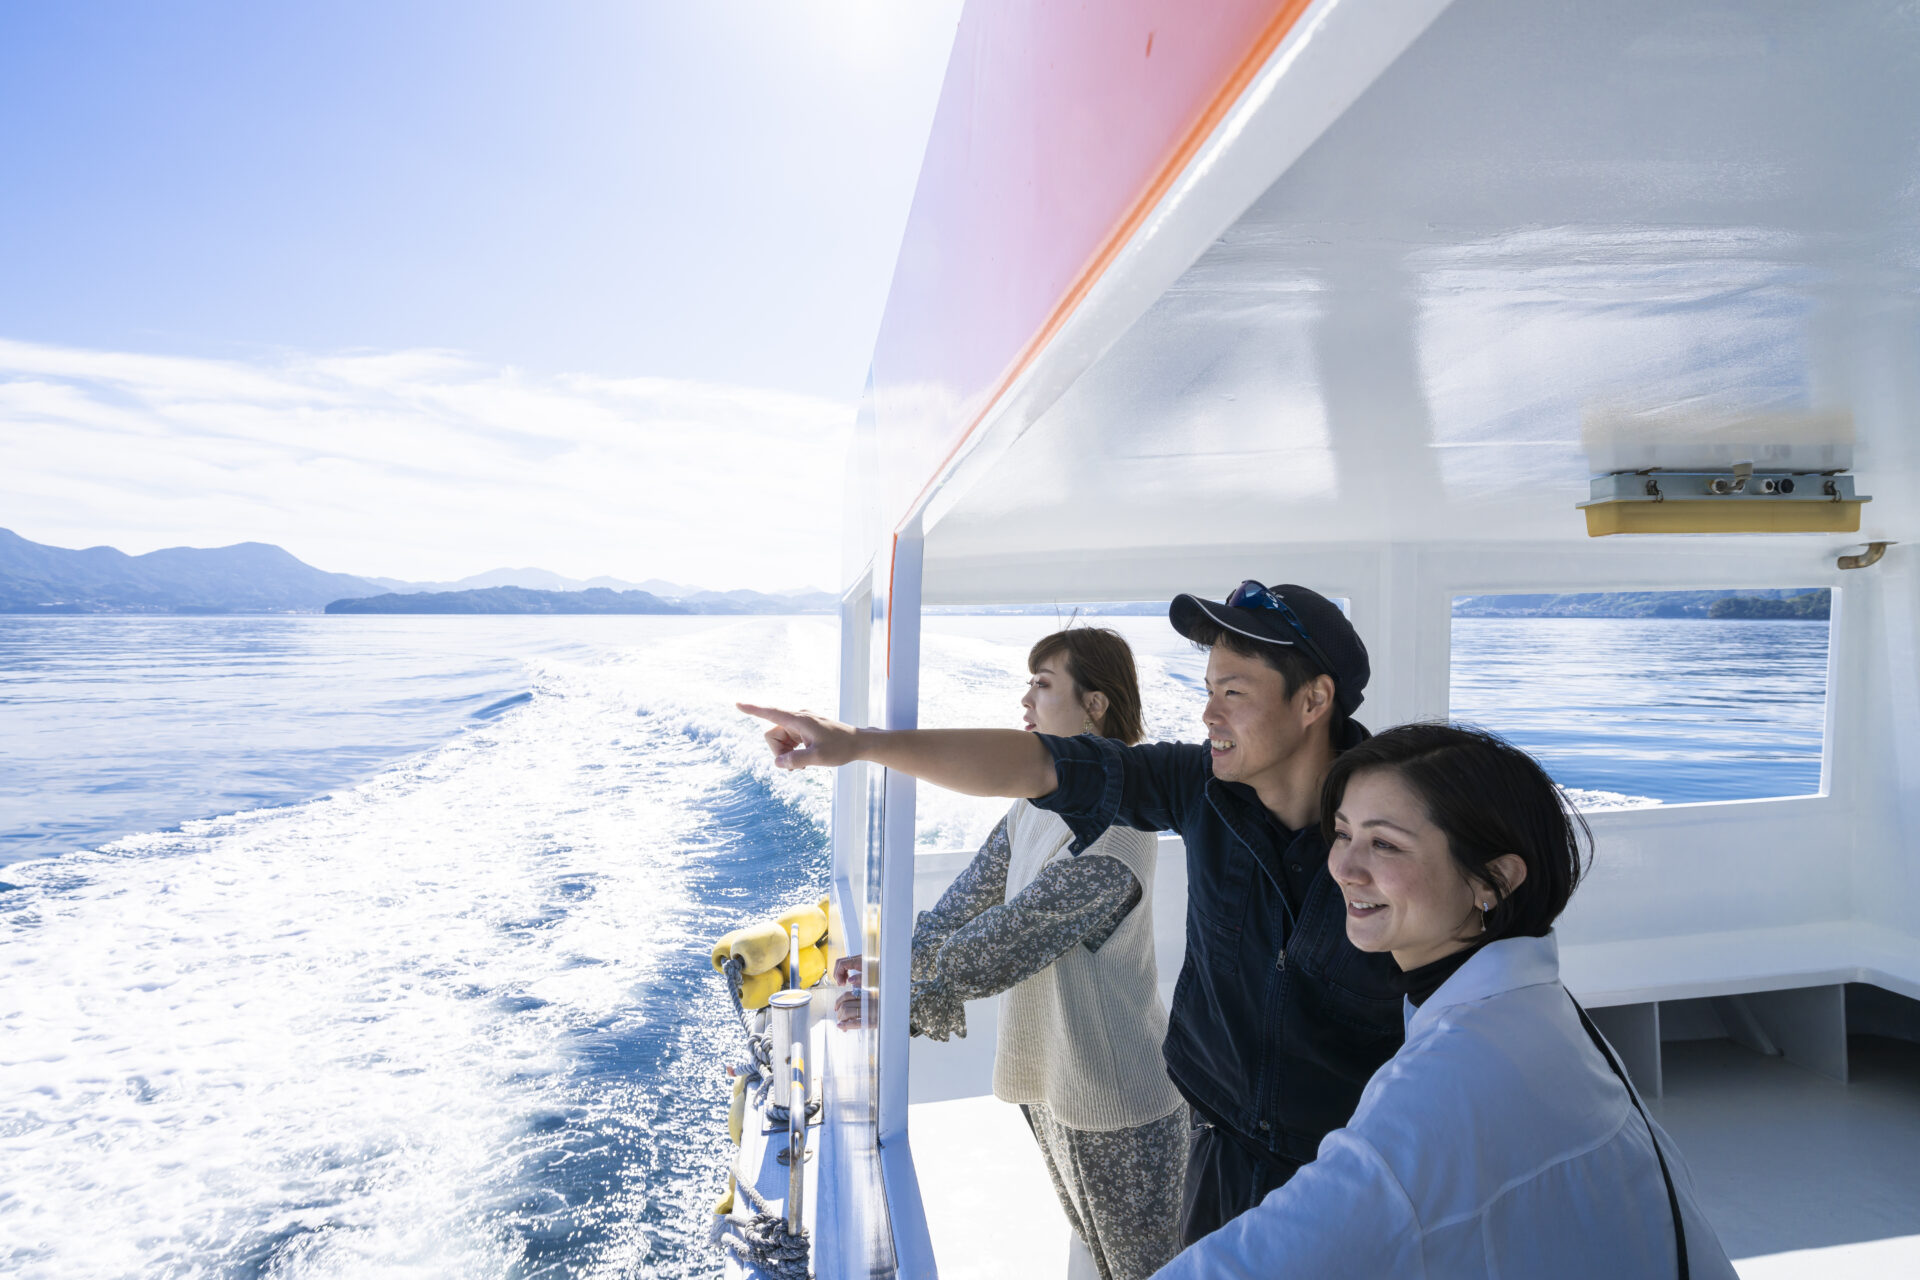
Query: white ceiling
(1657,216)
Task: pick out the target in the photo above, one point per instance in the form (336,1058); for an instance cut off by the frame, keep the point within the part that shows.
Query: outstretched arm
(975,762)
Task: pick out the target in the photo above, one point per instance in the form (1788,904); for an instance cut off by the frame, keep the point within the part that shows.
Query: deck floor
(1805,1178)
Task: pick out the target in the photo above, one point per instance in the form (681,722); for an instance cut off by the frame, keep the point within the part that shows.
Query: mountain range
(257,577)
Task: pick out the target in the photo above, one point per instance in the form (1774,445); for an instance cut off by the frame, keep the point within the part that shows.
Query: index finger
(782,718)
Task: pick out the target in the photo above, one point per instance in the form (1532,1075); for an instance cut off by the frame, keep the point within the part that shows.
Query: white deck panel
(1737,962)
(991,1208)
(1802,1176)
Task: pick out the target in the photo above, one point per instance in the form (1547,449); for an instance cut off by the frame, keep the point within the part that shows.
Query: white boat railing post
(797,1138)
(913,1247)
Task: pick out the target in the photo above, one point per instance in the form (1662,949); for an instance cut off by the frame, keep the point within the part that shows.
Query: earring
(1485,907)
(1089,726)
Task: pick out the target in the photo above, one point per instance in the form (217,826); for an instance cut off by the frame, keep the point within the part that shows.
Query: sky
(421,289)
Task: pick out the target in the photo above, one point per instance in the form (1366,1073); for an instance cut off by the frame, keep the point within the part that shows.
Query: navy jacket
(1277,1020)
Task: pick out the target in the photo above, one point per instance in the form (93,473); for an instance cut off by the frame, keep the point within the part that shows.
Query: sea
(376,946)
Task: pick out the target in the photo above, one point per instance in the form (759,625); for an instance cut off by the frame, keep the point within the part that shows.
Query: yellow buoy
(726,1201)
(810,920)
(759,947)
(737,1112)
(757,988)
(813,965)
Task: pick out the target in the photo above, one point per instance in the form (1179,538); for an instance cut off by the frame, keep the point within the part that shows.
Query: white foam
(1588,800)
(317,1041)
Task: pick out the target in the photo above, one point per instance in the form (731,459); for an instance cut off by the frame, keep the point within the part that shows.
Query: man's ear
(1316,699)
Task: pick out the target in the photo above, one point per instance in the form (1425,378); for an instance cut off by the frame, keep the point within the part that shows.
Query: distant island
(1785,604)
(1807,606)
(257,577)
(510,600)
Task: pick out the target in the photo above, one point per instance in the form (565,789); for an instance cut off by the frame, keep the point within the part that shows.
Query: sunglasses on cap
(1251,595)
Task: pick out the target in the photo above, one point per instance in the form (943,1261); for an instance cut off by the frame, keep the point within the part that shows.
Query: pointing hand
(800,740)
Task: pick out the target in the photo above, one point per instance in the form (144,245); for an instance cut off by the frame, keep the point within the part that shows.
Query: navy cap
(1293,617)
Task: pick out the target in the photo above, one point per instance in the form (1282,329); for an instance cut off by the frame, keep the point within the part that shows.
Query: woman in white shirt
(1502,1139)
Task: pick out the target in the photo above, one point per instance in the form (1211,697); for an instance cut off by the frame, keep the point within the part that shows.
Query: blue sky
(422,288)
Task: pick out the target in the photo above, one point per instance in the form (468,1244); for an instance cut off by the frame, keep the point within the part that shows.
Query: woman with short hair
(1066,942)
(1503,1139)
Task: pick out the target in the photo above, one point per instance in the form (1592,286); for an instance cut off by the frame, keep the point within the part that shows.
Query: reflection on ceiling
(1545,233)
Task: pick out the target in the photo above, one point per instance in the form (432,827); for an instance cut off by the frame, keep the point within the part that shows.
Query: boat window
(1641,698)
(973,670)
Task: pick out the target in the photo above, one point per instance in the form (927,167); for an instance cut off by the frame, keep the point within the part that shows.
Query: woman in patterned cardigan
(1066,942)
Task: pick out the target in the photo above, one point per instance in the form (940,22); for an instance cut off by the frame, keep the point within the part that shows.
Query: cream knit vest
(1083,1035)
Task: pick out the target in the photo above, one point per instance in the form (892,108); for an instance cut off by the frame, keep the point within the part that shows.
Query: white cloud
(422,464)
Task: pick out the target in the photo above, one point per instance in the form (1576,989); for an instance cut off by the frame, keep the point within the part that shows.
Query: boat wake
(456,1021)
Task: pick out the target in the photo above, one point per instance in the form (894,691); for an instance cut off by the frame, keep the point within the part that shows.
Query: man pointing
(1277,1021)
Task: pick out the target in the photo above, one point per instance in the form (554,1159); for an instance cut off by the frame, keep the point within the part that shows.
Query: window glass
(1652,697)
(973,671)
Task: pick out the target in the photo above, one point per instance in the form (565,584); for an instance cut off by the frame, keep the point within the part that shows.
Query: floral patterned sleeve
(980,887)
(1073,901)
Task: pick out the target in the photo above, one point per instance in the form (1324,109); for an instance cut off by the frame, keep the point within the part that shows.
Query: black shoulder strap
(1673,1197)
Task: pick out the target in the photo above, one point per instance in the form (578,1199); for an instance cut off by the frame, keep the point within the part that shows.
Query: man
(1277,1021)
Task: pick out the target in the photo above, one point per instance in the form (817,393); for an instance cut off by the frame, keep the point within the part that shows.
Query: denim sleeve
(1104,783)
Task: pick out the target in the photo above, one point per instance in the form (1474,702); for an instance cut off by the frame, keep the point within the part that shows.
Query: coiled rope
(762,1244)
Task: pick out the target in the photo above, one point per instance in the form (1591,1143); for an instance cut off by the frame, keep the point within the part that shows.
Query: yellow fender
(809,919)
(757,988)
(813,966)
(759,946)
(726,1201)
(737,1113)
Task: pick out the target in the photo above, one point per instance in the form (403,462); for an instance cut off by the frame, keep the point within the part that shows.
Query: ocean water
(1634,711)
(377,946)
(448,1016)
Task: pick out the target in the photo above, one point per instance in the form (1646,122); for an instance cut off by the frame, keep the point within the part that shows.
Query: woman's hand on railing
(849,1004)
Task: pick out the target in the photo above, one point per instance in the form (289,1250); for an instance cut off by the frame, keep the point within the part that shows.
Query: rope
(760,1047)
(762,1243)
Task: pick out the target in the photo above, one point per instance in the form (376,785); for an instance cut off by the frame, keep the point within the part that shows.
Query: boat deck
(1803,1176)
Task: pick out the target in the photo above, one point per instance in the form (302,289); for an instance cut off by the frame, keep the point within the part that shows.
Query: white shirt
(1496,1143)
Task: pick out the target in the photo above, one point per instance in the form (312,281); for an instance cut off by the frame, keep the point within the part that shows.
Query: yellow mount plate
(1721,516)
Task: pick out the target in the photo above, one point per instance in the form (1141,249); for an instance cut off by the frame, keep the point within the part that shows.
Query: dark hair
(1489,798)
(1295,667)
(1098,661)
